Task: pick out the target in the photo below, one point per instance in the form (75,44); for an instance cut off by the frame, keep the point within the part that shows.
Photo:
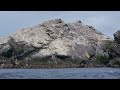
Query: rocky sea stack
(56,44)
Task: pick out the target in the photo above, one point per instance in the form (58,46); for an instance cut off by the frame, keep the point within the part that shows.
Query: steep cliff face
(55,41)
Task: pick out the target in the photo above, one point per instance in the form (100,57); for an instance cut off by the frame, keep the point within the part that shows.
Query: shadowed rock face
(113,49)
(54,39)
(114,46)
(117,36)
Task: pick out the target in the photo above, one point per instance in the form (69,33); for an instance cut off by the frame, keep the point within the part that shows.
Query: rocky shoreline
(53,67)
(69,64)
(56,44)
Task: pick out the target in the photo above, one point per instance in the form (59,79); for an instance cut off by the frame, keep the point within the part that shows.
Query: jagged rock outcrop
(113,49)
(117,36)
(114,46)
(53,41)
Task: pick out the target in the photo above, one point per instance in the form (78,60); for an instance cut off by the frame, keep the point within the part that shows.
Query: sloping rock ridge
(53,43)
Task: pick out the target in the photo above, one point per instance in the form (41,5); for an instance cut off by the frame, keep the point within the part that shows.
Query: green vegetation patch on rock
(102,59)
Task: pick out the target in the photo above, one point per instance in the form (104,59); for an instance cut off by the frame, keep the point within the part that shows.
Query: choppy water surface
(66,73)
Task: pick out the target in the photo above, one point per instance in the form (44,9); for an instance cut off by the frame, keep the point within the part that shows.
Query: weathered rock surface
(114,46)
(53,41)
(117,36)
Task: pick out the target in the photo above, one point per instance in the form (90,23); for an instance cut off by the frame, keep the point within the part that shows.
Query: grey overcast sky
(107,22)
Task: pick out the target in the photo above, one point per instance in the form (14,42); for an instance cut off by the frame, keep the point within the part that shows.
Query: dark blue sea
(64,73)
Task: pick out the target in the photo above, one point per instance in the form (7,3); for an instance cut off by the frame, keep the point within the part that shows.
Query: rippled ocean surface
(66,73)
